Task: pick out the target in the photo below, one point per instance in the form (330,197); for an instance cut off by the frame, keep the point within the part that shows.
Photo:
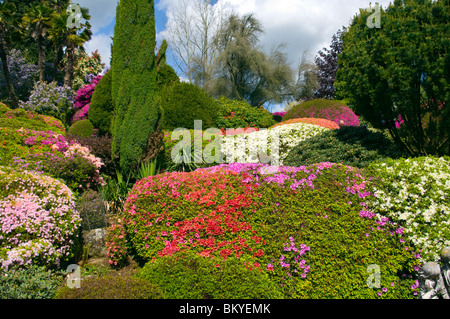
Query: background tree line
(40,29)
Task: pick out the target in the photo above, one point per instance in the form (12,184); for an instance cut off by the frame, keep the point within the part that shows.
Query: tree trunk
(9,84)
(56,50)
(41,59)
(68,77)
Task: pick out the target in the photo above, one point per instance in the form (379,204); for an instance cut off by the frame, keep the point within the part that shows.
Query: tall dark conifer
(134,84)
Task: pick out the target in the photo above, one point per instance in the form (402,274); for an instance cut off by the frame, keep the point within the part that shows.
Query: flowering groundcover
(307,227)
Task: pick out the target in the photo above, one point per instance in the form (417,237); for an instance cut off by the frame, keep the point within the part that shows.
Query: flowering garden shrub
(260,142)
(314,216)
(22,119)
(50,153)
(52,100)
(37,217)
(321,122)
(414,193)
(325,109)
(83,99)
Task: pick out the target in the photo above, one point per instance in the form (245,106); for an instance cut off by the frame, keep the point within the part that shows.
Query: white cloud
(102,43)
(303,25)
(102,12)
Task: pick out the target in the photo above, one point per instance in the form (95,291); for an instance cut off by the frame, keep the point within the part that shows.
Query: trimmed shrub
(112,286)
(83,128)
(19,118)
(30,282)
(321,122)
(38,219)
(167,76)
(190,276)
(240,114)
(102,107)
(183,103)
(324,109)
(414,193)
(353,146)
(307,227)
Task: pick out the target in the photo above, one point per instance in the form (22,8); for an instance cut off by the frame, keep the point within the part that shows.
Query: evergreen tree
(134,84)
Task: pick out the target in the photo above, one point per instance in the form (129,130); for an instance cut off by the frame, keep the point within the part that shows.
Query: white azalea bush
(415,193)
(38,219)
(267,146)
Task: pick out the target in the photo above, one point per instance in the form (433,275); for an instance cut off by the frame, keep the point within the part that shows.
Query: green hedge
(102,107)
(190,276)
(83,128)
(183,103)
(240,114)
(353,146)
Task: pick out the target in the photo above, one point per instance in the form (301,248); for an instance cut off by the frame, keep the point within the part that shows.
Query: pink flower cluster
(37,217)
(83,99)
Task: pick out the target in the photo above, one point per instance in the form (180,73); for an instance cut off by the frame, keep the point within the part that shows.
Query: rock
(95,240)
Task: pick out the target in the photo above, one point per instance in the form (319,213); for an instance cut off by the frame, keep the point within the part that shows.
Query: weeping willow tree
(134,87)
(244,71)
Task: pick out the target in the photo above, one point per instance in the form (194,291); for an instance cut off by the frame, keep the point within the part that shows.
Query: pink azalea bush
(51,153)
(38,219)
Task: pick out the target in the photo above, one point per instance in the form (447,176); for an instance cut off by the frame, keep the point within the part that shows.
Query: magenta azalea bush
(38,220)
(334,111)
(307,227)
(83,99)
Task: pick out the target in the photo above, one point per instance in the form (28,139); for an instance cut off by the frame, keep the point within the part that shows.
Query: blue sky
(303,26)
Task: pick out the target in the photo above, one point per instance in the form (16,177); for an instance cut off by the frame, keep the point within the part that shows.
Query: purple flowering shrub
(38,220)
(23,74)
(52,100)
(334,111)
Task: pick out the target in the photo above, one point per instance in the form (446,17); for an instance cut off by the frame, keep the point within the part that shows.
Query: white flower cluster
(276,142)
(414,192)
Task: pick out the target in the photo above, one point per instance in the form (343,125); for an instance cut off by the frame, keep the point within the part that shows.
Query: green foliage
(134,83)
(102,107)
(83,128)
(30,282)
(112,286)
(19,118)
(183,103)
(401,69)
(92,210)
(352,146)
(167,76)
(190,276)
(324,109)
(239,114)
(251,216)
(414,193)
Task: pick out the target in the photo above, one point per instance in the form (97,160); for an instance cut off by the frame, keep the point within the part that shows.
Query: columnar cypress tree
(134,82)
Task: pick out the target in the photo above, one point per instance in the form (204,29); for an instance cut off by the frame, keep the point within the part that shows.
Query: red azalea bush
(331,110)
(321,122)
(307,227)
